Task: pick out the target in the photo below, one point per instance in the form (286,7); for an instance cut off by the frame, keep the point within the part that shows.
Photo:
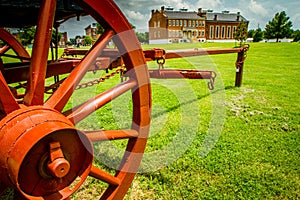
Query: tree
(100,30)
(258,35)
(241,32)
(26,35)
(251,33)
(73,41)
(279,27)
(143,37)
(88,40)
(55,36)
(296,36)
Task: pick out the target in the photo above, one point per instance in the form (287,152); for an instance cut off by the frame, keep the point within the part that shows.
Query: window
(223,32)
(211,35)
(158,34)
(190,23)
(234,29)
(154,24)
(180,22)
(155,36)
(217,31)
(197,23)
(203,33)
(177,22)
(185,23)
(228,31)
(158,24)
(193,22)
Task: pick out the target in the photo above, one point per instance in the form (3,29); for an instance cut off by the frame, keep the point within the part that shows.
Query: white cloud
(257,8)
(134,15)
(212,4)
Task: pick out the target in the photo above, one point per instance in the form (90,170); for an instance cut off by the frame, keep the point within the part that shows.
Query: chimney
(216,18)
(162,9)
(238,16)
(152,11)
(199,11)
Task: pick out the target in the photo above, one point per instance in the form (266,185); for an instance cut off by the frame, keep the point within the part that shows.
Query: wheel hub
(42,153)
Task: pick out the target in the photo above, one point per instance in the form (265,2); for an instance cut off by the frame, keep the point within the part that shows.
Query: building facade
(220,27)
(169,26)
(91,30)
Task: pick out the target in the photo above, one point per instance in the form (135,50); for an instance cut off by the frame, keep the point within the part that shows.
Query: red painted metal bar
(8,103)
(38,65)
(4,49)
(104,176)
(97,136)
(82,111)
(20,72)
(239,68)
(155,54)
(59,99)
(174,74)
(199,52)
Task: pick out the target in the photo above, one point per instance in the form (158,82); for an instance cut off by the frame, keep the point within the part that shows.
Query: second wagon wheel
(12,43)
(42,154)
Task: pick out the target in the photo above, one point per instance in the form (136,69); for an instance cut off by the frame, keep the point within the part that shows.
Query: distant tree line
(278,28)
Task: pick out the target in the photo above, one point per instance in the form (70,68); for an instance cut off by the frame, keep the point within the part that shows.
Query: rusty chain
(119,70)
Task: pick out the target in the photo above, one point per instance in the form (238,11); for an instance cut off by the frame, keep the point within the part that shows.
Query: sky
(138,12)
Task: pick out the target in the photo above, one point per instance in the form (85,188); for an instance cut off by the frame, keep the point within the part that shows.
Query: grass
(257,154)
(252,148)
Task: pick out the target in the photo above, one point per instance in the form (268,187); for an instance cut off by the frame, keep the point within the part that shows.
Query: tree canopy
(279,27)
(26,35)
(241,32)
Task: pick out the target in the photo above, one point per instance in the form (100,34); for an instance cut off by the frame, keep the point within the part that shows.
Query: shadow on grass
(156,115)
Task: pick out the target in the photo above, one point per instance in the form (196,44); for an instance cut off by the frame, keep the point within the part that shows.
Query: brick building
(63,40)
(169,26)
(91,31)
(221,26)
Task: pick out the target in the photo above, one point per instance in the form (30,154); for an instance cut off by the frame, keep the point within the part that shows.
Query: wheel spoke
(7,101)
(4,49)
(104,176)
(38,66)
(82,111)
(60,98)
(98,136)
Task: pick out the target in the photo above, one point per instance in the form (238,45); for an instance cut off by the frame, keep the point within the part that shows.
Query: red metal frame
(47,120)
(39,134)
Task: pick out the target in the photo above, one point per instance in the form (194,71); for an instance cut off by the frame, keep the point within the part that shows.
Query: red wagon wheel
(42,154)
(11,43)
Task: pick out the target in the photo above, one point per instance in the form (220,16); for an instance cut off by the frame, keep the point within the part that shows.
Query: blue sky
(258,12)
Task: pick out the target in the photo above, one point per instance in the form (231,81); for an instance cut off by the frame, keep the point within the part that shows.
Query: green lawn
(230,143)
(258,153)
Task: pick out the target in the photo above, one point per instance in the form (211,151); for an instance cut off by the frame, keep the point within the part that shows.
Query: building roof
(182,15)
(225,16)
